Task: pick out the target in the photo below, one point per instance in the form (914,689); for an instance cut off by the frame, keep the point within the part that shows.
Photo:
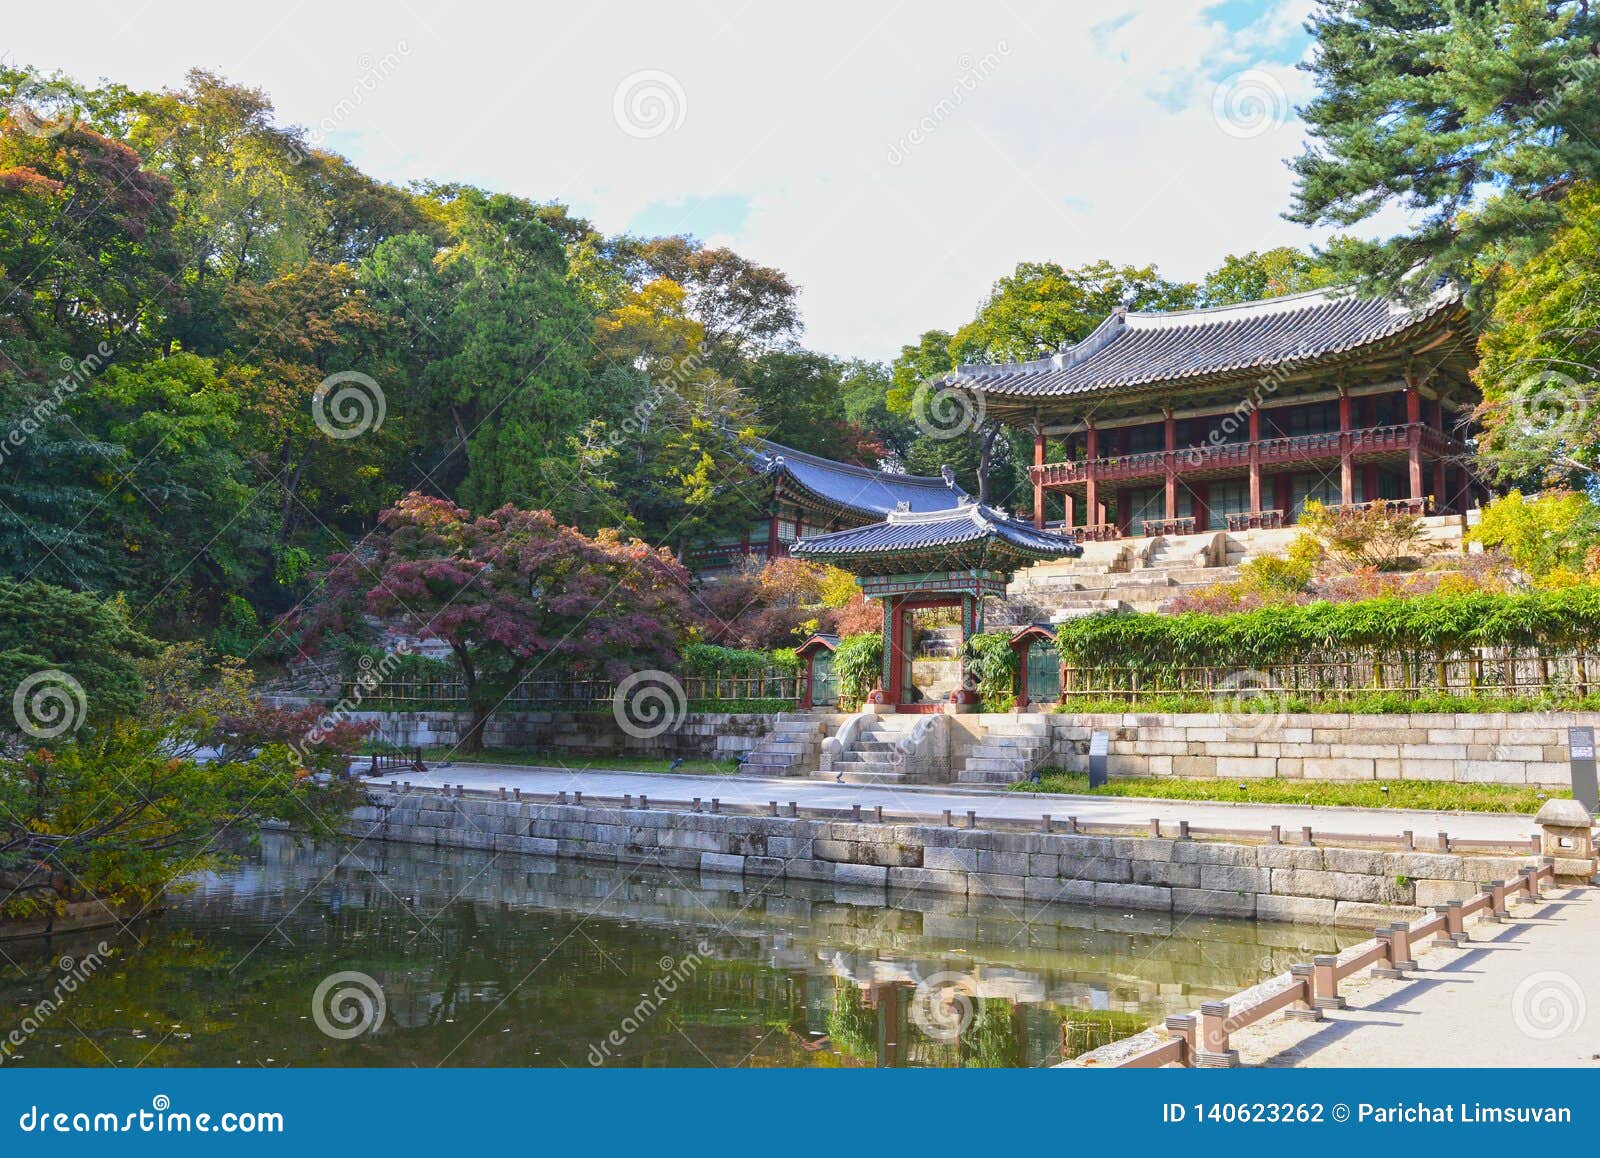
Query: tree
(506,592)
(1477,118)
(1040,306)
(86,251)
(1542,534)
(66,658)
(1250,277)
(1540,358)
(744,306)
(301,329)
(799,395)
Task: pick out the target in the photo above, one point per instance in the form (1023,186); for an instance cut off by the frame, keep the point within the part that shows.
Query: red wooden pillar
(1038,476)
(1200,505)
(1414,437)
(1091,505)
(1255,461)
(1066,497)
(1347,466)
(1171,441)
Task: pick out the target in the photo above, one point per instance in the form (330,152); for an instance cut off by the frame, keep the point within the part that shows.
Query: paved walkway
(931,801)
(1525,993)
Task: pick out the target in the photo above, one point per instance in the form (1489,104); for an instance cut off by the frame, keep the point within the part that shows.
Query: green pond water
(478,959)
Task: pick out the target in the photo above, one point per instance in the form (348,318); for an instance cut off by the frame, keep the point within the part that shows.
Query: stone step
(786,747)
(996,764)
(869,773)
(980,776)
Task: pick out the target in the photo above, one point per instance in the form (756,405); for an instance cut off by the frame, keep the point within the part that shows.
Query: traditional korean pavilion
(815,494)
(919,561)
(1233,418)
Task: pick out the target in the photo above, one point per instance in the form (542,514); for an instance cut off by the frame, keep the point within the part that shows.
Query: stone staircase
(1009,751)
(792,748)
(870,759)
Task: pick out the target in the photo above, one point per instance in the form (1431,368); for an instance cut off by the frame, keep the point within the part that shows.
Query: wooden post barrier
(1213,1051)
(1325,982)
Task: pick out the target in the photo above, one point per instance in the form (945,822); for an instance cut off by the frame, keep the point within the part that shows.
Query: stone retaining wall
(1489,748)
(702,735)
(1278,882)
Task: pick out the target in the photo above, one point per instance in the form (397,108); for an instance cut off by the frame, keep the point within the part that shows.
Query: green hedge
(708,660)
(1429,624)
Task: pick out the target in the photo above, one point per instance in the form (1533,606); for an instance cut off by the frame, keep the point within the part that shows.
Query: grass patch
(1363,794)
(529,756)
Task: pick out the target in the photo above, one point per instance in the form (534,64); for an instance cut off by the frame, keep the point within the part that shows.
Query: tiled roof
(1133,349)
(905,532)
(871,493)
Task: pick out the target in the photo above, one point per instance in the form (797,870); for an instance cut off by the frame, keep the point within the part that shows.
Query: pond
(291,955)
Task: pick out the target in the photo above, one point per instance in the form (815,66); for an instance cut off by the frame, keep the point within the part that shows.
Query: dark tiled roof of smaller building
(870,493)
(1136,349)
(970,535)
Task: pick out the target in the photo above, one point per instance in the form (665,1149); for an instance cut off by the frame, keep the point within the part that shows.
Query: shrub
(990,663)
(1428,624)
(1543,535)
(1374,537)
(858,663)
(707,660)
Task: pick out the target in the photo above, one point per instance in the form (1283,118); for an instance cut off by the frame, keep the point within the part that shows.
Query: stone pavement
(932,800)
(1523,993)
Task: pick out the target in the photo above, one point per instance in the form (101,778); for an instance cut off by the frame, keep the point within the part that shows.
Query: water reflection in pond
(506,960)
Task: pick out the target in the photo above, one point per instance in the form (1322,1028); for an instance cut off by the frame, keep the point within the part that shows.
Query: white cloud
(1093,135)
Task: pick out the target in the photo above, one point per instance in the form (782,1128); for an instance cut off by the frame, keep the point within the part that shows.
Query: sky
(893,159)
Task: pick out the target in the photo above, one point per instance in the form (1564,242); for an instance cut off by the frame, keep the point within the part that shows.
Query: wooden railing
(1255,520)
(1417,507)
(1271,452)
(1203,1038)
(1183,525)
(1501,672)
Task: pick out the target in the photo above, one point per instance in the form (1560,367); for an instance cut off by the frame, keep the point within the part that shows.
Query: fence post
(1400,940)
(1305,1009)
(1213,1052)
(1325,982)
(1390,966)
(1180,1027)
